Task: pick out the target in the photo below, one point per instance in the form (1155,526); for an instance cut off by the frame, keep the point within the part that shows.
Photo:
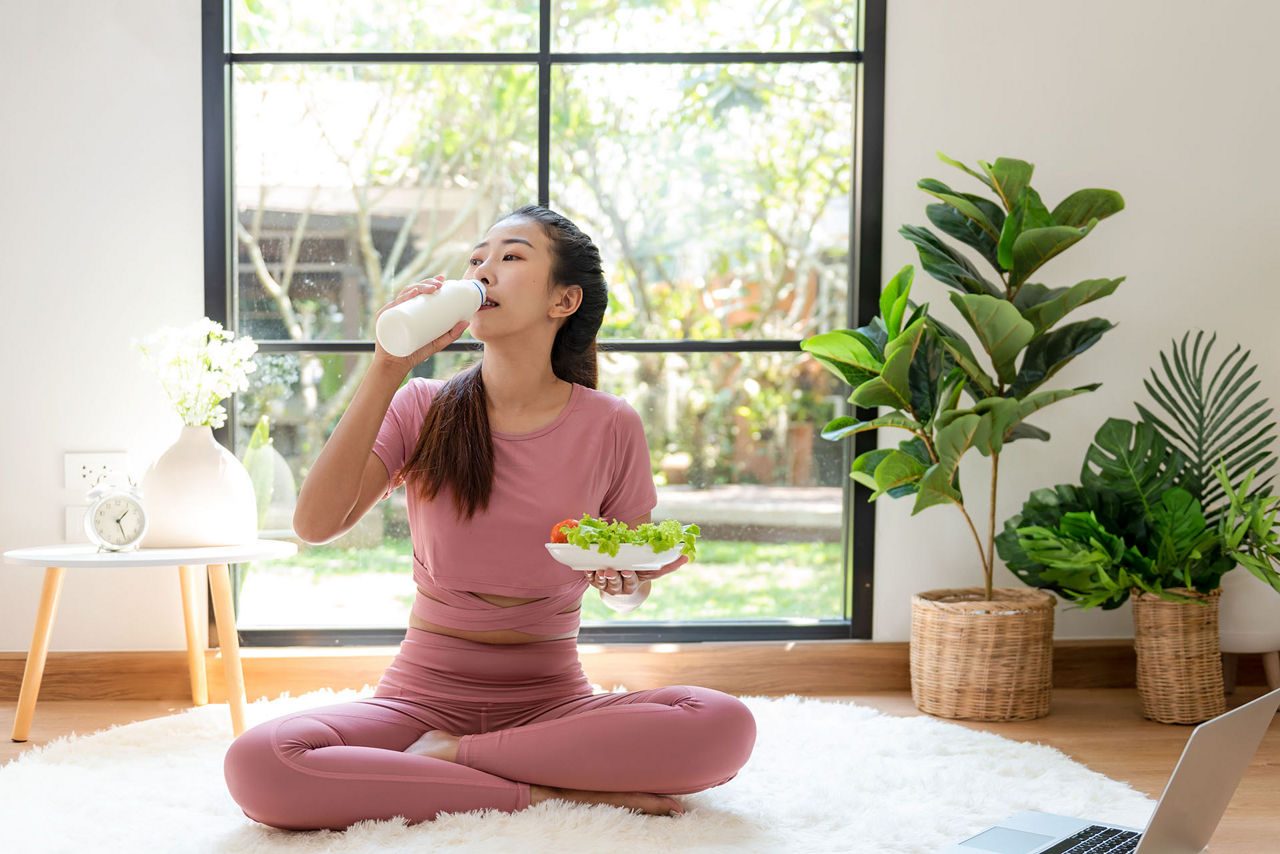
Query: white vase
(198,494)
(1249,614)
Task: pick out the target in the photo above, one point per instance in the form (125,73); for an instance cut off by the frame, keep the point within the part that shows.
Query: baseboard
(775,668)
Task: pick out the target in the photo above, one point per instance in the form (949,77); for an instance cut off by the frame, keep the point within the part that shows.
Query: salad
(606,537)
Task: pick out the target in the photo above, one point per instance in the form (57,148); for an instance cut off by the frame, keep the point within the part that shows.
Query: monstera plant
(916,366)
(1167,503)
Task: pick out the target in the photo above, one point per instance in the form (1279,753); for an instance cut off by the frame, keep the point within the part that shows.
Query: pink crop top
(593,458)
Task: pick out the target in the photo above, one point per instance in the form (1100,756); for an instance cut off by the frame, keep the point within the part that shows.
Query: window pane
(383,25)
(355,181)
(735,440)
(719,195)
(698,25)
(735,446)
(363,579)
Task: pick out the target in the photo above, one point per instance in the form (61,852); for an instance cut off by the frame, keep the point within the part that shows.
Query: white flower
(199,366)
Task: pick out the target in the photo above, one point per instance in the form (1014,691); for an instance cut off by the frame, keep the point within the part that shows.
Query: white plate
(630,556)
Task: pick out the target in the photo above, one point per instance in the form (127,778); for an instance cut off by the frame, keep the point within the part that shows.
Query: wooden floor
(1102,729)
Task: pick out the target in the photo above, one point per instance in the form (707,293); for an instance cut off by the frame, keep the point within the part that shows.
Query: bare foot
(641,801)
(437,744)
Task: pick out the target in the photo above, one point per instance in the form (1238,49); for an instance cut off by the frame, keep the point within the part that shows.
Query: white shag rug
(824,777)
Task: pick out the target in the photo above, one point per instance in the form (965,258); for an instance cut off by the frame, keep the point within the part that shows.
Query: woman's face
(514,261)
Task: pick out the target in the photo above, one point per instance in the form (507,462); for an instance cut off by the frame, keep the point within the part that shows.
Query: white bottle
(404,328)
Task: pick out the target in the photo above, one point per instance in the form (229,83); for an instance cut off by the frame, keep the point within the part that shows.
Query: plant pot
(198,494)
(1179,658)
(1248,614)
(979,659)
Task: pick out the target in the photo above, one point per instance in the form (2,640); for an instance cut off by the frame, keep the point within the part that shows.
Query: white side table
(56,559)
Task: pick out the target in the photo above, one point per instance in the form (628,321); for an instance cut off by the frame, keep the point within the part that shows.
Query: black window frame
(858,528)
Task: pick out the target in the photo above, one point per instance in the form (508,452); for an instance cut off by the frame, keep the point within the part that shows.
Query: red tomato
(557,536)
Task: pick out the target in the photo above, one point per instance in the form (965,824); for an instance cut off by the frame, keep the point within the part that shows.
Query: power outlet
(82,471)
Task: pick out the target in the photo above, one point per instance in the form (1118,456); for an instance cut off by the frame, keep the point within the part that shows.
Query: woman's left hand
(626,581)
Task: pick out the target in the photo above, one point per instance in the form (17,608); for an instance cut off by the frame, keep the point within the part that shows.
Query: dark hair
(455,447)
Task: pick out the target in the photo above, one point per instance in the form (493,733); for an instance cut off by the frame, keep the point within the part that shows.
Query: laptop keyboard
(1096,839)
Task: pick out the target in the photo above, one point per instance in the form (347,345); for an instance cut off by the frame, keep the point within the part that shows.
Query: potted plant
(1154,518)
(1228,411)
(981,653)
(197,493)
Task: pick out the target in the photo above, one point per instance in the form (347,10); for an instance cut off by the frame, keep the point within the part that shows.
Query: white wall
(100,222)
(100,235)
(1171,103)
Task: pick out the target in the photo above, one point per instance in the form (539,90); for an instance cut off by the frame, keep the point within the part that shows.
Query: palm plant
(1214,423)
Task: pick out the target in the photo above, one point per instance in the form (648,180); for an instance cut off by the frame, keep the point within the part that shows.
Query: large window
(353,148)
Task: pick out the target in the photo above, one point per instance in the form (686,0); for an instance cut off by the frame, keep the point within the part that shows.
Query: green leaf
(925,378)
(838,428)
(1035,246)
(1028,213)
(846,353)
(1134,462)
(1050,352)
(893,300)
(1001,329)
(895,471)
(945,264)
(998,414)
(962,203)
(1002,413)
(959,350)
(956,163)
(939,484)
(1218,419)
(892,386)
(1008,178)
(1178,520)
(1045,307)
(864,468)
(1084,205)
(955,224)
(1035,402)
(1023,430)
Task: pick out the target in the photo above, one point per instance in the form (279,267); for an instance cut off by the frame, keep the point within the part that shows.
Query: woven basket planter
(979,659)
(1179,658)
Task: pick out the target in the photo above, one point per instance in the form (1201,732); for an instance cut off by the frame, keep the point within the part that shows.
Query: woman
(486,704)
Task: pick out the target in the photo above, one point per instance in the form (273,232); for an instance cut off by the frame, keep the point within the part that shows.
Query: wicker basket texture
(1179,658)
(979,659)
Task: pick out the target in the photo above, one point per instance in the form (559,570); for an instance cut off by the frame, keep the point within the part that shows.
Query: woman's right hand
(431,347)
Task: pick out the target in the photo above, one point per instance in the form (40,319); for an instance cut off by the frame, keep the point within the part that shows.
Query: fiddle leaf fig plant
(917,367)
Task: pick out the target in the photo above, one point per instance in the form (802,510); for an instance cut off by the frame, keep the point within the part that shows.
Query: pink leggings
(527,715)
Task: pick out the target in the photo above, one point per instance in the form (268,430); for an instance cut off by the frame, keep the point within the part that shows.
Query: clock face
(117,520)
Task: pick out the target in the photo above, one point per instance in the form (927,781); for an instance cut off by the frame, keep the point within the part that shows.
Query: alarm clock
(116,520)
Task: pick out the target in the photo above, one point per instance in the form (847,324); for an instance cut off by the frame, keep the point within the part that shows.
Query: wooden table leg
(195,652)
(34,670)
(225,616)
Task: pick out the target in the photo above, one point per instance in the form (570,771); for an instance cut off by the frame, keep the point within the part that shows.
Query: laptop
(1212,764)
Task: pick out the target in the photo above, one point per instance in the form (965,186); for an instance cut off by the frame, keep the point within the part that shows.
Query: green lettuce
(606,537)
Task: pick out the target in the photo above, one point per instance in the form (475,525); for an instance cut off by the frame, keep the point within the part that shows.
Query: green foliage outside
(730,580)
(718,193)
